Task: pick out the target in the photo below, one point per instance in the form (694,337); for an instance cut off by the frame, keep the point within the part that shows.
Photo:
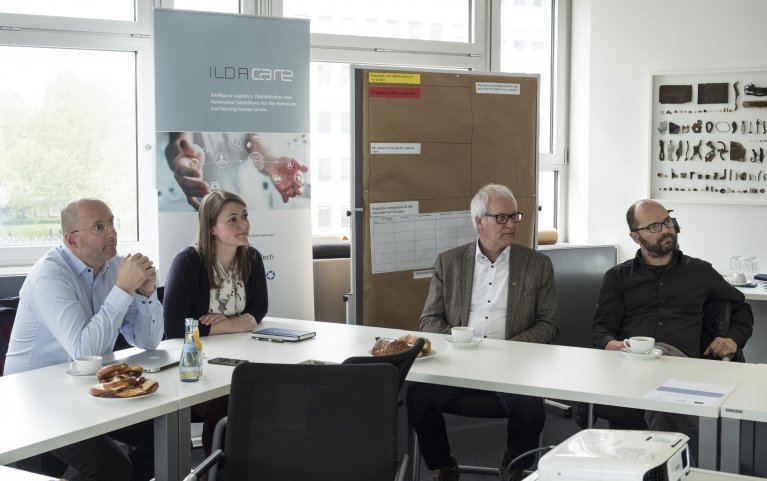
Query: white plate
(105,398)
(743,284)
(429,355)
(74,374)
(464,345)
(654,354)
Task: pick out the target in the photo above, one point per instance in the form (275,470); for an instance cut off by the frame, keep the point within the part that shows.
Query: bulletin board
(709,137)
(424,143)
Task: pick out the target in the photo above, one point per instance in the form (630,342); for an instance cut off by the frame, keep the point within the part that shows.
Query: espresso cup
(639,344)
(85,365)
(462,334)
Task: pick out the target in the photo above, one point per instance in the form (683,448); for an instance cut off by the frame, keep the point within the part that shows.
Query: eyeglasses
(100,228)
(669,222)
(516,217)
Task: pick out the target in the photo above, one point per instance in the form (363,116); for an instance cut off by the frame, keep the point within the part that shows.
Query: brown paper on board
(441,170)
(442,114)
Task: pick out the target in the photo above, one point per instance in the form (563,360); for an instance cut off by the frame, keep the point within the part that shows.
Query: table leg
(166,429)
(730,445)
(708,443)
(184,441)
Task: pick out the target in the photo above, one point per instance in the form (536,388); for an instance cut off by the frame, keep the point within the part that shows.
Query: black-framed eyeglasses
(100,228)
(655,227)
(516,217)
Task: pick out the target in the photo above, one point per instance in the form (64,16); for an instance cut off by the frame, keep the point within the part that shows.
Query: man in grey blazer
(503,291)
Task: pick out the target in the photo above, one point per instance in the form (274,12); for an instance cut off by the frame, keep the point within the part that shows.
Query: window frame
(140,26)
(14,259)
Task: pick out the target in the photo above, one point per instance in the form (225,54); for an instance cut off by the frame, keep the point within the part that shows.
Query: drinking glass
(750,267)
(736,266)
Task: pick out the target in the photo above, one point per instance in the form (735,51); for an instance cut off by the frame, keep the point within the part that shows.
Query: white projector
(614,455)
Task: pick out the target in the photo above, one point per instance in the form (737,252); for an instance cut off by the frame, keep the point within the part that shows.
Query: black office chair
(716,323)
(402,361)
(7,315)
(12,302)
(305,421)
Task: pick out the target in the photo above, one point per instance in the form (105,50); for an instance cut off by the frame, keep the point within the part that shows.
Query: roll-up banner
(232,104)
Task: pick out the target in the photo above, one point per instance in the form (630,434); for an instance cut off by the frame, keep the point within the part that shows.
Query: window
(422,20)
(96,9)
(520,24)
(324,122)
(345,219)
(74,104)
(547,199)
(68,122)
(324,169)
(324,214)
(222,6)
(530,33)
(452,34)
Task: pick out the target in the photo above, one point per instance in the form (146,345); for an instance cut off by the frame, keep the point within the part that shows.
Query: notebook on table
(282,335)
(151,361)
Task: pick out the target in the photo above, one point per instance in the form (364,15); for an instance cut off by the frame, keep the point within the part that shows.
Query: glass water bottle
(189,366)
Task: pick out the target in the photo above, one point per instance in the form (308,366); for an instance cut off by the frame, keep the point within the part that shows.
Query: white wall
(617,46)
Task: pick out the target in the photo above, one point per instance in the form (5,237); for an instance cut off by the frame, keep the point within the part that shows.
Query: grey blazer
(532,310)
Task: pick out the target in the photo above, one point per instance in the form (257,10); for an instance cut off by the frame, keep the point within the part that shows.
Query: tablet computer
(282,335)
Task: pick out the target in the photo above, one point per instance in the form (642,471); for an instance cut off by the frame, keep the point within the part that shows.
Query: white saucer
(72,373)
(429,355)
(654,354)
(743,284)
(464,345)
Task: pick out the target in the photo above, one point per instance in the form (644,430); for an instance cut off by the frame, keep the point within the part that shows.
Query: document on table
(687,392)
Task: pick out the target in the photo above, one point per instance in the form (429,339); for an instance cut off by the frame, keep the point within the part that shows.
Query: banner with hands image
(232,107)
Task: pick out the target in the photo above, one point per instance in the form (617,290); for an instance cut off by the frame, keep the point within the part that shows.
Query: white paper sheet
(686,392)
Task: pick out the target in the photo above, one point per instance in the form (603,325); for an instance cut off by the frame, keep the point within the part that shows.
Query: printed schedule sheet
(403,239)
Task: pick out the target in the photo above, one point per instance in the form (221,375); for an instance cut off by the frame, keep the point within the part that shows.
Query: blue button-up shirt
(65,312)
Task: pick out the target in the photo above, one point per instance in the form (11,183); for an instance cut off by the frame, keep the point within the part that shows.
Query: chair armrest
(402,470)
(205,465)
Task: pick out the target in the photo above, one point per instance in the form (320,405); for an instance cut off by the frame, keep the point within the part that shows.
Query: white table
(47,409)
(44,421)
(695,475)
(741,410)
(577,374)
(758,293)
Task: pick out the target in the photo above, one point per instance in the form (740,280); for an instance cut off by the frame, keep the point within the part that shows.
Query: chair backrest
(7,315)
(716,323)
(307,421)
(10,302)
(402,361)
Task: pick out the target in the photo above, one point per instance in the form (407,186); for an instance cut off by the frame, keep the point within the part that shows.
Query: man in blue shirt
(74,302)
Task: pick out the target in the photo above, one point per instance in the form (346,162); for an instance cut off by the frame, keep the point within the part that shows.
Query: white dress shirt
(65,312)
(489,295)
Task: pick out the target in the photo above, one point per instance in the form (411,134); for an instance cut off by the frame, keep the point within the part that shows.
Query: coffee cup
(462,334)
(639,344)
(85,365)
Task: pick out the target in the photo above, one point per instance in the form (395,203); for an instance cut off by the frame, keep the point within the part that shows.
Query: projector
(615,455)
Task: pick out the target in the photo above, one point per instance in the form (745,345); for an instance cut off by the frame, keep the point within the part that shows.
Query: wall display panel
(425,142)
(709,137)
